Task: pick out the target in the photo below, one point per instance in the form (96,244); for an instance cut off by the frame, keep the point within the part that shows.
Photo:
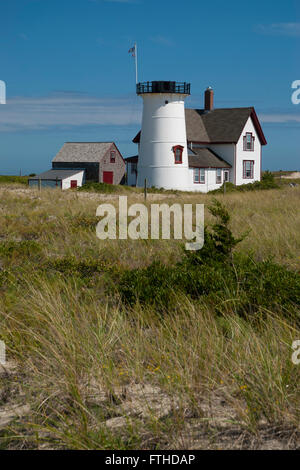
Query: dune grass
(98,373)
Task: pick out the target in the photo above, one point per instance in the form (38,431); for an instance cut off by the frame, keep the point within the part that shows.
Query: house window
(196,175)
(248,166)
(112,156)
(202,175)
(218,176)
(199,175)
(133,167)
(249,142)
(178,150)
(226,176)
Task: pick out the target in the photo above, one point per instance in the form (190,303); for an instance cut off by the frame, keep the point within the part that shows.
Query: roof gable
(221,125)
(224,125)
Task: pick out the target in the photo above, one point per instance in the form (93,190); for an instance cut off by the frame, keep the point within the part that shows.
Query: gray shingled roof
(82,152)
(55,174)
(218,125)
(223,125)
(206,158)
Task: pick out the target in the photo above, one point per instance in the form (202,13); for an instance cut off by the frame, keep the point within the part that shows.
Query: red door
(108,177)
(73,184)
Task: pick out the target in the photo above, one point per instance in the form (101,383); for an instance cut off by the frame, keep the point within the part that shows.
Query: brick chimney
(209,99)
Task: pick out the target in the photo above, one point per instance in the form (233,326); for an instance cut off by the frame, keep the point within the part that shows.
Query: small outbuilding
(102,161)
(63,179)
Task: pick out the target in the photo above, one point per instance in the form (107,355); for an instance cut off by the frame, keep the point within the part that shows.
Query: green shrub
(100,188)
(71,266)
(23,248)
(215,275)
(151,285)
(267,182)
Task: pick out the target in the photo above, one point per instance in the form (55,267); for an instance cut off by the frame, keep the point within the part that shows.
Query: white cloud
(280,29)
(67,110)
(279,117)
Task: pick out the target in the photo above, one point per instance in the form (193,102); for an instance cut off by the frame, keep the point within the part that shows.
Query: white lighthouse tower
(163,157)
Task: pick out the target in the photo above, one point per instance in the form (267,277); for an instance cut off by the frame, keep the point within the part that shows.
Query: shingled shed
(102,161)
(63,179)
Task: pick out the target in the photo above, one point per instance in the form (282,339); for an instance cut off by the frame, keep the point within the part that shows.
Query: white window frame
(199,175)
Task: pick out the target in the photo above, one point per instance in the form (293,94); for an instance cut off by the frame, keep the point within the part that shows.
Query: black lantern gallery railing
(163,87)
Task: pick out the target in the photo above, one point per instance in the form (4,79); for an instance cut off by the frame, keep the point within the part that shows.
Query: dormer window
(112,156)
(178,150)
(249,142)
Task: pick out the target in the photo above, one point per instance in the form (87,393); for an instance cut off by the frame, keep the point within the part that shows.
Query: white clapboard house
(193,149)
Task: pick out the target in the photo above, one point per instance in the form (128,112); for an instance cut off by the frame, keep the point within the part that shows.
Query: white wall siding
(79,177)
(201,187)
(242,154)
(163,127)
(210,181)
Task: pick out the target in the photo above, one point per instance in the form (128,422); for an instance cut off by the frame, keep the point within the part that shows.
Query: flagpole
(136,65)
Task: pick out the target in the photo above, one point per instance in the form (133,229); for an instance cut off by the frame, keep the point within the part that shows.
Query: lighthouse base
(164,178)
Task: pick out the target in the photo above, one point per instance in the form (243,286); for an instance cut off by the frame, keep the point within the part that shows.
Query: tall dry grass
(99,375)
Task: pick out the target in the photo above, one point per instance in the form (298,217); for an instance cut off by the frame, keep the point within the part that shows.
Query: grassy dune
(88,370)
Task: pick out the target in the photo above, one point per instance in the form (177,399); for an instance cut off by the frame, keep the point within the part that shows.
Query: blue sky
(69,76)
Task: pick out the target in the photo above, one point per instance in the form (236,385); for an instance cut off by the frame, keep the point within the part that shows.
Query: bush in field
(267,182)
(71,266)
(21,249)
(100,187)
(217,275)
